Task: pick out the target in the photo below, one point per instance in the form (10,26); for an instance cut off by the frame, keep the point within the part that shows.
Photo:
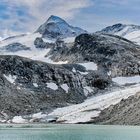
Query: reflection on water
(70,132)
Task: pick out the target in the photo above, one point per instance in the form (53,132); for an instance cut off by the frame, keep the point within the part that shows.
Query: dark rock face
(39,43)
(15,47)
(111,53)
(100,83)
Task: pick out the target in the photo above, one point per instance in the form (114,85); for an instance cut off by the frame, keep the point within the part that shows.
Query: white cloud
(37,11)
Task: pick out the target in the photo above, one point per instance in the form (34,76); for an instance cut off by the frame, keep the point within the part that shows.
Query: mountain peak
(128,31)
(55,19)
(119,27)
(56,27)
(114,28)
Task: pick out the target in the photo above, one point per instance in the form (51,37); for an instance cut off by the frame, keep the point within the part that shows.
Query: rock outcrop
(14,47)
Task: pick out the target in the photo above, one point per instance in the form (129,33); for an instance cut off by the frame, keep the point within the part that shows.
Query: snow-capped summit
(55,19)
(114,28)
(56,27)
(128,31)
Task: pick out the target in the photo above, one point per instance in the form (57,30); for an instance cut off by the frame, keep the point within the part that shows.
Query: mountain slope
(29,87)
(111,53)
(33,86)
(130,32)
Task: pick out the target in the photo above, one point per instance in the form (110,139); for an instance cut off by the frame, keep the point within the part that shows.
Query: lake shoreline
(39,125)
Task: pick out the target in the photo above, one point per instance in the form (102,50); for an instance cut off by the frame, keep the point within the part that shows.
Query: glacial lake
(68,132)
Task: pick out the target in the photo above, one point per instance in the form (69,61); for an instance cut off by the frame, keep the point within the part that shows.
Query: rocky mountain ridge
(128,31)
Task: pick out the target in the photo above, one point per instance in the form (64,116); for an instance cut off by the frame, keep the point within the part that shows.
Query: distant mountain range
(53,74)
(130,32)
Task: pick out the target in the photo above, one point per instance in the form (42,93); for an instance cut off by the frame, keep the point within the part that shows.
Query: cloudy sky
(18,16)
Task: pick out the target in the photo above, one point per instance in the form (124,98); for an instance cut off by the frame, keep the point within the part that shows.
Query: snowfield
(89,66)
(27,40)
(133,36)
(34,53)
(126,80)
(92,107)
(18,120)
(69,39)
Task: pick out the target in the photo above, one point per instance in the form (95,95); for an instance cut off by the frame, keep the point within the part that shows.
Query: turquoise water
(69,132)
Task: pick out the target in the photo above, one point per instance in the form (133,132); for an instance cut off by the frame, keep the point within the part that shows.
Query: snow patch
(87,90)
(83,73)
(74,70)
(34,53)
(41,57)
(89,66)
(18,119)
(38,115)
(10,78)
(65,87)
(126,80)
(109,73)
(46,40)
(69,39)
(52,86)
(35,85)
(27,40)
(124,31)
